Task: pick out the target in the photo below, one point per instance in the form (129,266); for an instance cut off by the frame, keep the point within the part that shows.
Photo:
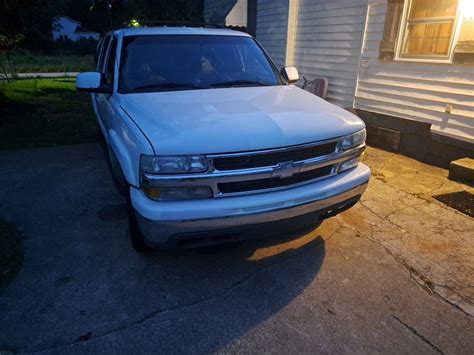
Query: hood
(235,119)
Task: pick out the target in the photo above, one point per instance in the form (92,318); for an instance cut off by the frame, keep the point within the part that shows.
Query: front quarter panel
(127,143)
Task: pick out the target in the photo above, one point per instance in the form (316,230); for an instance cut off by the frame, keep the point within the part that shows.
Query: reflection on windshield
(185,62)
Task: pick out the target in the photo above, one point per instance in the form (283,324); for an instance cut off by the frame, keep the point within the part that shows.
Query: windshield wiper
(167,86)
(239,83)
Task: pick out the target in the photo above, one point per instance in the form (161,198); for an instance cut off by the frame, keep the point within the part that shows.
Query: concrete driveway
(392,275)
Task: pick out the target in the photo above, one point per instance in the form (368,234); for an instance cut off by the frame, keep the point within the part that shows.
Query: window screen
(429,28)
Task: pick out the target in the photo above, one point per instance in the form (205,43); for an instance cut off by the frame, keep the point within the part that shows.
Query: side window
(102,54)
(98,50)
(109,70)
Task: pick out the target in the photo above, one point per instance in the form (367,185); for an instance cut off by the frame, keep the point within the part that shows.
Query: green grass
(44,112)
(26,62)
(11,252)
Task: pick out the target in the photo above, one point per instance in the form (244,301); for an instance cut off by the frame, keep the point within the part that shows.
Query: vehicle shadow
(82,284)
(250,282)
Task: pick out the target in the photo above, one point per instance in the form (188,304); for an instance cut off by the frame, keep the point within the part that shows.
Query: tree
(10,24)
(30,21)
(99,15)
(165,10)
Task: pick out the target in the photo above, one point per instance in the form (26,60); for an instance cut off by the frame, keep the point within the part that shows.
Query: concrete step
(462,170)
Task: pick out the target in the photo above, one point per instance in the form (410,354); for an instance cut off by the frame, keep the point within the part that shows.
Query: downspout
(293,9)
(362,62)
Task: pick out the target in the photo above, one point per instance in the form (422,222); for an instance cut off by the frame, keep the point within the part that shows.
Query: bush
(45,112)
(32,62)
(83,46)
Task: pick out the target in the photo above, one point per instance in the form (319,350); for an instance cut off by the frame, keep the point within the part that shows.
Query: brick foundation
(413,139)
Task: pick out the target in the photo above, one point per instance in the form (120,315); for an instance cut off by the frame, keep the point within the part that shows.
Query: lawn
(11,252)
(44,112)
(26,62)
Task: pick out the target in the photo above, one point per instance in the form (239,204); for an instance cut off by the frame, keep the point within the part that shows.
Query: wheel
(115,169)
(136,236)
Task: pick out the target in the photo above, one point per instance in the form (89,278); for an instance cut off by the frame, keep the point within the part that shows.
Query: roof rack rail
(178,23)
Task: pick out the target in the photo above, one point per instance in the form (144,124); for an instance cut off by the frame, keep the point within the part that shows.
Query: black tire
(136,236)
(116,172)
(122,186)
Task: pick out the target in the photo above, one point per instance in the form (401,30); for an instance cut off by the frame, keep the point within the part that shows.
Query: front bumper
(162,223)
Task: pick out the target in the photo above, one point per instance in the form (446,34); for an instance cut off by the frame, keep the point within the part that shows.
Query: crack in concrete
(384,163)
(421,196)
(419,336)
(384,218)
(425,283)
(425,202)
(91,335)
(416,275)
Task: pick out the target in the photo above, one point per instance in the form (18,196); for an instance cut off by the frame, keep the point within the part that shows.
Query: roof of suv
(138,31)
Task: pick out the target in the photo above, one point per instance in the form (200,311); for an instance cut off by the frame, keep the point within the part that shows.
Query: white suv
(211,143)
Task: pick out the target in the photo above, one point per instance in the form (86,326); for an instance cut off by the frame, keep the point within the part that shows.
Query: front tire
(136,236)
(118,177)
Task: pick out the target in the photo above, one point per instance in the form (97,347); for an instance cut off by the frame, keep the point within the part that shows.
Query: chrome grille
(274,182)
(260,159)
(252,172)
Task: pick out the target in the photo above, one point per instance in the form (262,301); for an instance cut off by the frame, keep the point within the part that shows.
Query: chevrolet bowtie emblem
(286,170)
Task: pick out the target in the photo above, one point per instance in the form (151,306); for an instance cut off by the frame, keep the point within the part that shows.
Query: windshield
(164,63)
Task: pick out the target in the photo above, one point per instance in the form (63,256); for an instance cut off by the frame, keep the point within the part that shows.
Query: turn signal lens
(178,193)
(152,192)
(349,164)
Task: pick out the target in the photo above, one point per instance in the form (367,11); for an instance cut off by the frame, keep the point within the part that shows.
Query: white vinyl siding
(328,43)
(417,91)
(238,15)
(272,26)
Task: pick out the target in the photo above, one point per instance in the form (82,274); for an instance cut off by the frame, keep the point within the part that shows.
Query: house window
(428,29)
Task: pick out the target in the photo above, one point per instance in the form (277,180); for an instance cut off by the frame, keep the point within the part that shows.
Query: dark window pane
(109,74)
(428,39)
(155,62)
(102,55)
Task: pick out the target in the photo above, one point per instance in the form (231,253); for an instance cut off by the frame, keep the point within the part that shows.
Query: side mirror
(290,74)
(92,82)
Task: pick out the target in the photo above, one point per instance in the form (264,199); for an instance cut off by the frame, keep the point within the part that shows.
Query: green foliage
(11,252)
(83,46)
(44,112)
(10,41)
(31,62)
(99,16)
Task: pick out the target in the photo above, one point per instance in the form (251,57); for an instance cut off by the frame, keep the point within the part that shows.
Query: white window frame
(402,37)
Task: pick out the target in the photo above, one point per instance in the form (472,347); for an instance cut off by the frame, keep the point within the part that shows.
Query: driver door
(102,99)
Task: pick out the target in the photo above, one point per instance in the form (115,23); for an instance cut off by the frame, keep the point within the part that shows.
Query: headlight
(177,193)
(173,164)
(353,140)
